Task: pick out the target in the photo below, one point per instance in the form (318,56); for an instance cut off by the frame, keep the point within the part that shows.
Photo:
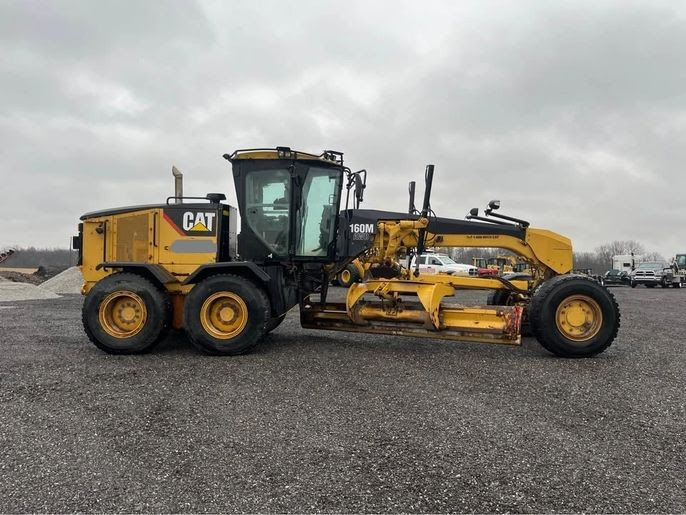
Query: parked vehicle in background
(680,266)
(500,265)
(616,277)
(589,273)
(444,264)
(483,269)
(654,273)
(626,262)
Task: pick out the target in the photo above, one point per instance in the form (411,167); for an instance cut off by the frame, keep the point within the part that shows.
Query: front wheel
(633,284)
(226,315)
(574,317)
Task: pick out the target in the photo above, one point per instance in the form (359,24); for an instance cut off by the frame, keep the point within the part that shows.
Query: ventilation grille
(133,238)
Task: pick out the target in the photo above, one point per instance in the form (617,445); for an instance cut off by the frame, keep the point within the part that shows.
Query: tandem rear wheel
(226,315)
(574,317)
(125,313)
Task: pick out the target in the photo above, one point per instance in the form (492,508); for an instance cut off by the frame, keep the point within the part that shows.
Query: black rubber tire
(257,305)
(502,298)
(157,304)
(545,303)
(273,323)
(664,283)
(632,284)
(354,276)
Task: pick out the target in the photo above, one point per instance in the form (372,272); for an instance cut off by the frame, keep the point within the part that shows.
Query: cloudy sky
(573,114)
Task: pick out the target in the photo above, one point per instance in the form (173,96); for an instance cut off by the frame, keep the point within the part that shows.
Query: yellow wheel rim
(345,276)
(122,314)
(224,315)
(579,318)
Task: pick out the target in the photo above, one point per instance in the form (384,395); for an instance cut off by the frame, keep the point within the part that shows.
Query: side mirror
(474,211)
(494,204)
(359,188)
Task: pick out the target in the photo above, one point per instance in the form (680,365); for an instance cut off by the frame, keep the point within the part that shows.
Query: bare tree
(653,256)
(618,247)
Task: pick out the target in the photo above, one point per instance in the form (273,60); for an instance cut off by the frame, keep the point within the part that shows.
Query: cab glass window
(267,207)
(318,212)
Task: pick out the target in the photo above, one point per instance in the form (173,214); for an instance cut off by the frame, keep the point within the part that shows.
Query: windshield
(447,261)
(681,260)
(651,266)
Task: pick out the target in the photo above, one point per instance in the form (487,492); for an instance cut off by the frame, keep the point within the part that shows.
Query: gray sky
(573,114)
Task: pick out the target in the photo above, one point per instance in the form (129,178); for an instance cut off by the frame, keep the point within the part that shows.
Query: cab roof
(327,156)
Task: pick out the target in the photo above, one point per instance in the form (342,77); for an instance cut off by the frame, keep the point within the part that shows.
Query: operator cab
(289,203)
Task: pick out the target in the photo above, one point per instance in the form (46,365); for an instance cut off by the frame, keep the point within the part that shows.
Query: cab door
(316,220)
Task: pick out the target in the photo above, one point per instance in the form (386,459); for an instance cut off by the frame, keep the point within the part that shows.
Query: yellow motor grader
(183,264)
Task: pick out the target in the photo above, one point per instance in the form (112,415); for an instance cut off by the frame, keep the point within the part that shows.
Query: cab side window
(267,207)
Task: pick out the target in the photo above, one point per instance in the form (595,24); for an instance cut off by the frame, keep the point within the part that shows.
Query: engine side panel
(178,237)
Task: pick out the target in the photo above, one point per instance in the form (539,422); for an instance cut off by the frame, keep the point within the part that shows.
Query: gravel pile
(11,291)
(69,281)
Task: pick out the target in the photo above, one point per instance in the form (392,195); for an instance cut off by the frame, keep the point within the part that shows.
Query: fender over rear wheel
(226,315)
(574,317)
(126,314)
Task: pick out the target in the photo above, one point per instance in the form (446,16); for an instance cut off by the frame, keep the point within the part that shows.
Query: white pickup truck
(654,273)
(442,264)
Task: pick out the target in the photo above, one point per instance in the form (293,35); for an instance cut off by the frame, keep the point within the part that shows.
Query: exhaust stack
(178,185)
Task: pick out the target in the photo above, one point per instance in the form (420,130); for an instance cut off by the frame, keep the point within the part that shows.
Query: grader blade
(490,324)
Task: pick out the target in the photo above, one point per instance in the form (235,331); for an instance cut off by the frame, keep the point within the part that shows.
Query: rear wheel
(126,314)
(574,317)
(226,315)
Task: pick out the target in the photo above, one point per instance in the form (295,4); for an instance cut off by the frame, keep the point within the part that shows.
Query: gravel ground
(324,421)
